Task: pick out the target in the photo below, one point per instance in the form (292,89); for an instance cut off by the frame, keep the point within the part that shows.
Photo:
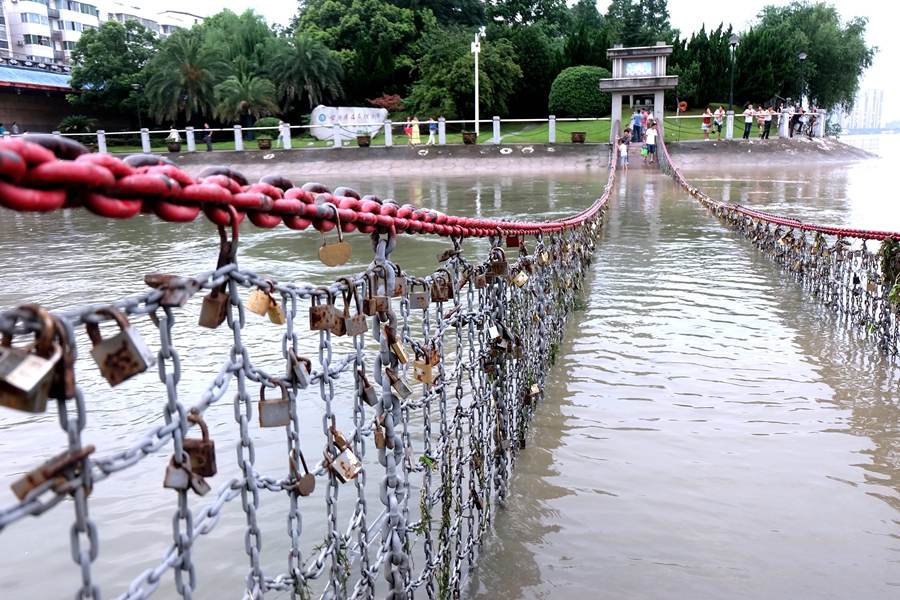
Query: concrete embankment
(799,150)
(398,160)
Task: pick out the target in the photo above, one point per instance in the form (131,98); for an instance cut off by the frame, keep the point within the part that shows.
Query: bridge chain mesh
(448,450)
(845,269)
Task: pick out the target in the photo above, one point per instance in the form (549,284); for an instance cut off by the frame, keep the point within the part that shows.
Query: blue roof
(34,77)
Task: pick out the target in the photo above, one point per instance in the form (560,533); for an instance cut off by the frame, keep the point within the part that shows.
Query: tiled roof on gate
(11,76)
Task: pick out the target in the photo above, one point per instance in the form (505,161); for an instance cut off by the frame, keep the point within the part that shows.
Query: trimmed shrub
(576,93)
(269,134)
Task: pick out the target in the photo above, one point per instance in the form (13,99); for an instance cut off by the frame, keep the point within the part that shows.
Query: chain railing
(843,268)
(478,335)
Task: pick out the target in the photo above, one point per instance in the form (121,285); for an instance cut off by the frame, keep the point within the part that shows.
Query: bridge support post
(191,140)
(820,123)
(238,138)
(442,131)
(784,123)
(729,125)
(496,139)
(101,141)
(551,134)
(286,135)
(145,140)
(388,138)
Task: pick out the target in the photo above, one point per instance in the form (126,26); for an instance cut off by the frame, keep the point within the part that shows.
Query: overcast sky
(688,16)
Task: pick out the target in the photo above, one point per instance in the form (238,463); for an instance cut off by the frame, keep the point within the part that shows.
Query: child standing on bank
(623,154)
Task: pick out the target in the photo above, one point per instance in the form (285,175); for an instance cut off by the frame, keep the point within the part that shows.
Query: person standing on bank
(707,123)
(15,128)
(432,130)
(643,123)
(207,137)
(718,118)
(636,121)
(278,142)
(768,123)
(415,132)
(173,134)
(651,143)
(748,121)
(623,154)
(407,129)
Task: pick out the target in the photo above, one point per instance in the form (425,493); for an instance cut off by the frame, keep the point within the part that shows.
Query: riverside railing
(478,335)
(387,133)
(854,272)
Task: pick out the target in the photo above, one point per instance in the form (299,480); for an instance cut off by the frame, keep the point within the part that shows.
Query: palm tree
(245,94)
(303,67)
(183,77)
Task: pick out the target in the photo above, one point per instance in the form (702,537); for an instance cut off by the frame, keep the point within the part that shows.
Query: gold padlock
(335,254)
(421,369)
(258,302)
(400,386)
(520,279)
(396,345)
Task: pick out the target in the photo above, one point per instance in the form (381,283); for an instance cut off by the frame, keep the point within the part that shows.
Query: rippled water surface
(708,432)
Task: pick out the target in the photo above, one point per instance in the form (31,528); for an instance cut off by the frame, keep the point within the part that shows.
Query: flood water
(708,431)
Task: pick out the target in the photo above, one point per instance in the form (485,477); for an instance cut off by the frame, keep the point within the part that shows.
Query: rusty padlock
(488,365)
(499,266)
(122,356)
(274,413)
(441,288)
(378,433)
(63,386)
(535,391)
(447,254)
(518,350)
(367,392)
(343,463)
(419,300)
(27,374)
(400,284)
(202,452)
(214,309)
(304,484)
(395,344)
(335,254)
(374,301)
(321,316)
(421,368)
(176,290)
(53,469)
(480,278)
(400,386)
(353,324)
(299,369)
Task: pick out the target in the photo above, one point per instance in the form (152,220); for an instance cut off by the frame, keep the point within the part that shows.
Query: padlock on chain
(258,302)
(419,300)
(274,413)
(499,266)
(182,478)
(342,462)
(400,285)
(27,374)
(353,324)
(400,386)
(421,368)
(214,310)
(176,290)
(441,286)
(367,391)
(378,433)
(59,469)
(544,257)
(122,356)
(480,278)
(304,484)
(374,301)
(299,369)
(202,452)
(335,254)
(395,344)
(63,386)
(321,316)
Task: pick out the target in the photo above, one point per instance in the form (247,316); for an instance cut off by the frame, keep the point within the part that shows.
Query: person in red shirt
(707,123)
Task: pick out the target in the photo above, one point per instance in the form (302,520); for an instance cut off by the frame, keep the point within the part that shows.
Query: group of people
(763,117)
(643,129)
(411,129)
(13,130)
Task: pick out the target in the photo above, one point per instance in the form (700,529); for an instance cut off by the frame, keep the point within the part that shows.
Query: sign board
(352,120)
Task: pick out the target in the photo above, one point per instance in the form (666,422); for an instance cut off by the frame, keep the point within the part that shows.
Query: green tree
(553,13)
(709,81)
(576,93)
(108,61)
(182,77)
(372,69)
(305,70)
(763,66)
(639,22)
(537,57)
(450,12)
(246,35)
(837,54)
(446,84)
(245,95)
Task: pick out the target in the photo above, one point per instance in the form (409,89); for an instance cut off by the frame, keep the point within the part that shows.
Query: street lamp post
(802,57)
(733,40)
(476,49)
(136,87)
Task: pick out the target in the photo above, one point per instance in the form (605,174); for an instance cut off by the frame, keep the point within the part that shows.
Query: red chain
(865,234)
(47,173)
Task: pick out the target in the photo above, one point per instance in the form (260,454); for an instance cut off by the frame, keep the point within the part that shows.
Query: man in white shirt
(652,134)
(748,121)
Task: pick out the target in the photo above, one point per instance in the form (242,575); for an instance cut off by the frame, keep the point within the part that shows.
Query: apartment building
(866,113)
(44,32)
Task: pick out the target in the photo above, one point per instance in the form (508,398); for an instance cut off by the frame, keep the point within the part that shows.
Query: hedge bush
(576,93)
(269,134)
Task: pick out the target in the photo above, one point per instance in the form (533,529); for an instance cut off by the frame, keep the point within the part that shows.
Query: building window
(89,10)
(37,40)
(68,45)
(72,25)
(35,18)
(4,44)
